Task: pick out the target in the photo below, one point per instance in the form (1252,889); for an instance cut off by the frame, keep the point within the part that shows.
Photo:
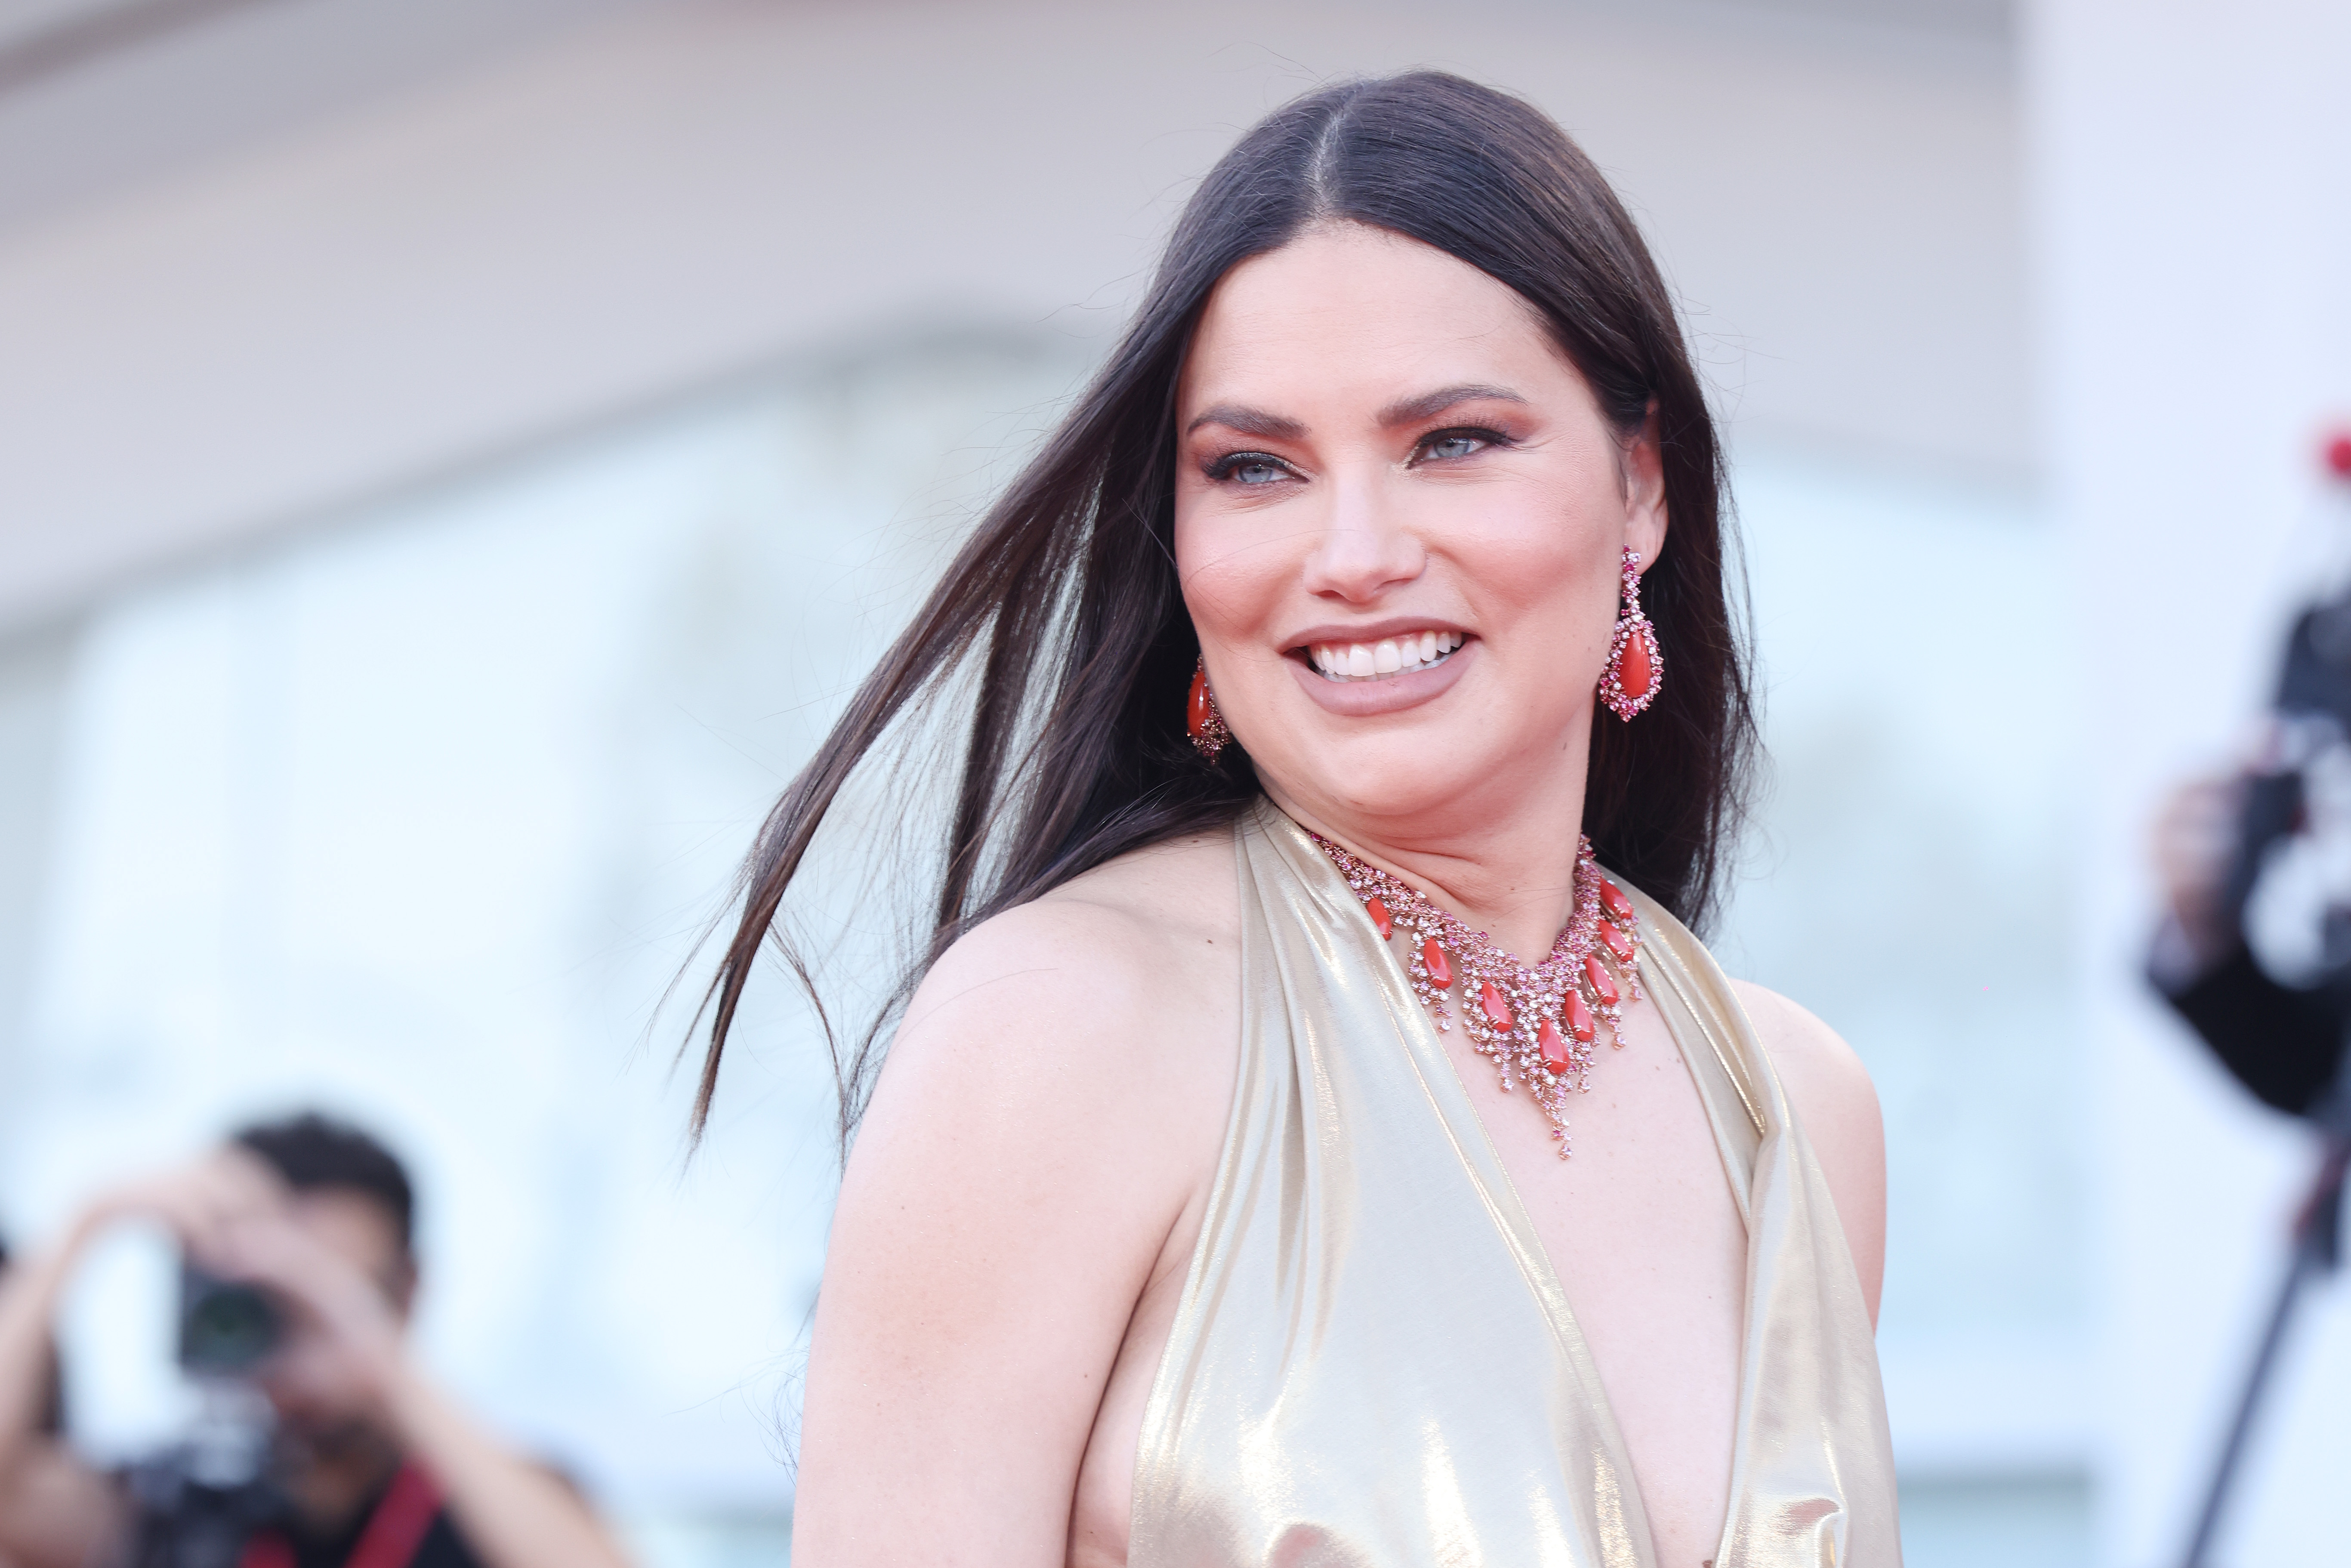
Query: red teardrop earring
(1201,719)
(1637,665)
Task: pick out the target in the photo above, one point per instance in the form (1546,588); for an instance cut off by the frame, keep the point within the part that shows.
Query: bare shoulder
(1836,1104)
(1184,888)
(1066,1013)
(1120,939)
(1820,1072)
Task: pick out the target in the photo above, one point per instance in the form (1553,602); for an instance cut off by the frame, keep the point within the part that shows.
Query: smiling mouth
(1388,656)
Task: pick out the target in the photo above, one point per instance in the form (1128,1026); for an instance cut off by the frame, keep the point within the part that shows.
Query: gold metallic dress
(1373,1363)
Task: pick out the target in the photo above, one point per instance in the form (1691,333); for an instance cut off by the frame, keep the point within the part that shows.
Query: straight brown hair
(1064,603)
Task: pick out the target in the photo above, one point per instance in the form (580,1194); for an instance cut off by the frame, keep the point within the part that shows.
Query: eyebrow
(1410,411)
(1248,422)
(1427,405)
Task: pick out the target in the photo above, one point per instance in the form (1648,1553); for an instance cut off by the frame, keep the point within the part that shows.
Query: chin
(1389,778)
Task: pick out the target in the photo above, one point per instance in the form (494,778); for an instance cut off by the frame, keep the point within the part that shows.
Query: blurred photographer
(2255,869)
(319,1443)
(2254,954)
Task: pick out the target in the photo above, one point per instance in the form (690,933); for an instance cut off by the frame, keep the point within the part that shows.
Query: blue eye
(1251,468)
(1453,444)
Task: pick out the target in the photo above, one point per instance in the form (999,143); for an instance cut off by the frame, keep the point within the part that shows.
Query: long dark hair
(1062,617)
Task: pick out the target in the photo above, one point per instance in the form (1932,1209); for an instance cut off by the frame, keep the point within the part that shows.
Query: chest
(1644,1232)
(1645,1237)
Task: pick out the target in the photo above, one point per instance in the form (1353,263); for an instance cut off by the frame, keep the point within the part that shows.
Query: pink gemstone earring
(1637,665)
(1201,719)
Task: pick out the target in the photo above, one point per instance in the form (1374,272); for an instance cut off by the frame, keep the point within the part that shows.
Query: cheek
(1232,574)
(1541,567)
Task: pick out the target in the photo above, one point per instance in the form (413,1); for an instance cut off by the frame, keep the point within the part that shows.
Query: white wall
(2194,240)
(416,820)
(98,97)
(690,189)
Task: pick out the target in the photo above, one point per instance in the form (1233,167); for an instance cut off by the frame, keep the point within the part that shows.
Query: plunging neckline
(1559,1309)
(1351,1373)
(1515,1221)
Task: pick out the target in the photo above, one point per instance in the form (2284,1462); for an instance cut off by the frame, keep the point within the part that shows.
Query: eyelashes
(1255,469)
(1475,440)
(1238,466)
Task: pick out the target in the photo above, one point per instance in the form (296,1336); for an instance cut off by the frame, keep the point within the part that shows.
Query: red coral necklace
(1536,1026)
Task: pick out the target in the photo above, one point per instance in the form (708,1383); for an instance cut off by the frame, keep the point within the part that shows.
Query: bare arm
(1838,1106)
(512,1513)
(1046,1113)
(28,1303)
(54,1511)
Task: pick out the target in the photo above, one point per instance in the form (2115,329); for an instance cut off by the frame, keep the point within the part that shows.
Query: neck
(1506,867)
(332,1483)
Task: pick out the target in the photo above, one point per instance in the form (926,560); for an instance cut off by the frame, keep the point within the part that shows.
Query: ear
(1644,491)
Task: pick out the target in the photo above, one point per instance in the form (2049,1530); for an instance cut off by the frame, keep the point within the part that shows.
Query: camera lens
(225,1326)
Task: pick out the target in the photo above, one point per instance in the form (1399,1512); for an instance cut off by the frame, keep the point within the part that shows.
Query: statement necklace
(1536,1026)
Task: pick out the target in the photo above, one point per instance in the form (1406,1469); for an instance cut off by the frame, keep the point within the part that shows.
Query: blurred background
(455,456)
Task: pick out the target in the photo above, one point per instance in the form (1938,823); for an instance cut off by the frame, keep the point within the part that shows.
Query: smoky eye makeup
(1475,438)
(1247,468)
(1251,468)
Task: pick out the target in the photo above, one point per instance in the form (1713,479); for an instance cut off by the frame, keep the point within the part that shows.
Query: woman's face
(1381,457)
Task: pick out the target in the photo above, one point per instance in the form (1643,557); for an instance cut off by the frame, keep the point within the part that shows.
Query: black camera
(198,1502)
(226,1326)
(188,1514)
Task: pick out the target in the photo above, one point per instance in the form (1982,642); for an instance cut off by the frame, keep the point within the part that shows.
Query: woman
(1210,1207)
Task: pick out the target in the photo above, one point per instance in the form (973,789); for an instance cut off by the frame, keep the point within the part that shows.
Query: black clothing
(441,1548)
(2282,1043)
(379,1534)
(180,1522)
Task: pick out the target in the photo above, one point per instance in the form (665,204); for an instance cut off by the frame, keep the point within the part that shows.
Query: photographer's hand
(345,1347)
(2194,844)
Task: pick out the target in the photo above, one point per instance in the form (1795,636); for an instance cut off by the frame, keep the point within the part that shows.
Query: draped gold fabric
(1373,1363)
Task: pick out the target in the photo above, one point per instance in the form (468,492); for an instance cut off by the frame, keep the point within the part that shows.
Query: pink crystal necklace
(1536,1026)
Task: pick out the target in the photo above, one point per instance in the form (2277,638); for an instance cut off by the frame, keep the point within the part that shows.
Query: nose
(1366,549)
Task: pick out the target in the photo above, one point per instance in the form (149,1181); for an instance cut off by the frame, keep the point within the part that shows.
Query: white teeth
(1371,661)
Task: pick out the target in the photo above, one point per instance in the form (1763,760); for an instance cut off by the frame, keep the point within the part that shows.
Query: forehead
(1349,309)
